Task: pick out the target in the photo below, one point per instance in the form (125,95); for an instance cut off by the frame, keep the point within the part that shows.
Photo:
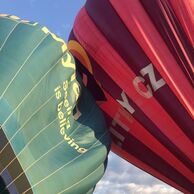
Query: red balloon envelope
(137,59)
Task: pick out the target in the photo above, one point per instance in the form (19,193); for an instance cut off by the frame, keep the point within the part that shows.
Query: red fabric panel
(114,110)
(170,29)
(139,24)
(184,10)
(127,156)
(123,42)
(100,49)
(110,86)
(136,148)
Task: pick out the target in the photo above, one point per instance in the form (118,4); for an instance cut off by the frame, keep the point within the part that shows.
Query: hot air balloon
(53,137)
(137,57)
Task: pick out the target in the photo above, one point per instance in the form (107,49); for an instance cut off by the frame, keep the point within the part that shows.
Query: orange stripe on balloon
(80,53)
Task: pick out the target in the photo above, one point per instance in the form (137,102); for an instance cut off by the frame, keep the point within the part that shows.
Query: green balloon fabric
(53,137)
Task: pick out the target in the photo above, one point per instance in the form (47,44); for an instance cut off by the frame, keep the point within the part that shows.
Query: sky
(58,15)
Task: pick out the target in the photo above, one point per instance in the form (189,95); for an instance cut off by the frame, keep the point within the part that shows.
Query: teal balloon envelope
(53,137)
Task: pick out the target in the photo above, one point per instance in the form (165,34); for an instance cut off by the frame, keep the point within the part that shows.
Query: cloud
(105,187)
(124,178)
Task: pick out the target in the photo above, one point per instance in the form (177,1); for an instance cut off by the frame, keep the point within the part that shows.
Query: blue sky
(58,15)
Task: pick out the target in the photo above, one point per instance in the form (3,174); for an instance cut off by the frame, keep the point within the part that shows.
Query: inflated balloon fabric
(139,57)
(53,137)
